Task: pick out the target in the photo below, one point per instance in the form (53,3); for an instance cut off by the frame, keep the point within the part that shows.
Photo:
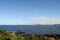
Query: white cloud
(42,20)
(31,21)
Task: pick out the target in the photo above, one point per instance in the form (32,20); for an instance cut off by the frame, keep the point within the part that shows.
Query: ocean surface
(33,29)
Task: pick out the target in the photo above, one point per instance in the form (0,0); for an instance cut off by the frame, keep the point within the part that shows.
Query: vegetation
(17,36)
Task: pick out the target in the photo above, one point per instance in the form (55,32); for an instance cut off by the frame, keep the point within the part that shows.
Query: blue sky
(29,12)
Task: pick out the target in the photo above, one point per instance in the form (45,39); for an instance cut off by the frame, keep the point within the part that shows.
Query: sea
(32,29)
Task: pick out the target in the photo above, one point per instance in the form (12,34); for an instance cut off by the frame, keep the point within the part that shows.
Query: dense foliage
(13,36)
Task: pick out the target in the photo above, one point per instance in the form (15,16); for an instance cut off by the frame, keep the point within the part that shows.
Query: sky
(29,12)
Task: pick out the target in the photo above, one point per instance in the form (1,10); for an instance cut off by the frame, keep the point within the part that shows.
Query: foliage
(12,36)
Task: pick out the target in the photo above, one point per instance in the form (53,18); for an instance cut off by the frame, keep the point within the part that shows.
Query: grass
(12,36)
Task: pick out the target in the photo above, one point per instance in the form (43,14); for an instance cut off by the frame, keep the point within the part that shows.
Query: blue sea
(33,29)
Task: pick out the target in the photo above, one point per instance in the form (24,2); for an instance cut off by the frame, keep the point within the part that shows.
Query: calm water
(33,29)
